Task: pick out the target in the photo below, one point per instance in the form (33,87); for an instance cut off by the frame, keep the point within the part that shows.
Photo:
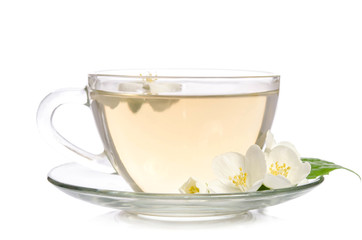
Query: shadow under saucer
(115,217)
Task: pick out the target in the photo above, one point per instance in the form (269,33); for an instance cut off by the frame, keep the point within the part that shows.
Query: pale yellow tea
(170,138)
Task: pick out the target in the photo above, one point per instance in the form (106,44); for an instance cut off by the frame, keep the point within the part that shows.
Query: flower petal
(130,87)
(303,182)
(290,145)
(284,154)
(227,165)
(299,173)
(162,87)
(256,186)
(217,186)
(269,141)
(275,182)
(189,183)
(255,164)
(203,188)
(192,186)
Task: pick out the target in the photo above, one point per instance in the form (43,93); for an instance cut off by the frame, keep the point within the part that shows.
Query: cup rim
(202,73)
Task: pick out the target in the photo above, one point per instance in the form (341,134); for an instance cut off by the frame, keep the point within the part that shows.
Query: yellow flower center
(277,169)
(240,179)
(149,78)
(193,189)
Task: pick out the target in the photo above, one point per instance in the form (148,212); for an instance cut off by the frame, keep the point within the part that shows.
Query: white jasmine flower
(237,173)
(270,143)
(150,84)
(130,87)
(162,87)
(284,166)
(193,186)
(303,182)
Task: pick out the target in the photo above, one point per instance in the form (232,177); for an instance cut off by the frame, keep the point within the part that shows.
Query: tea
(171,138)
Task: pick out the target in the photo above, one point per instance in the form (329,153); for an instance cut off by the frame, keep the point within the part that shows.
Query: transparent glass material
(110,190)
(184,82)
(161,126)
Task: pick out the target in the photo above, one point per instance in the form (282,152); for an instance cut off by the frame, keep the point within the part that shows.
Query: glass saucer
(111,190)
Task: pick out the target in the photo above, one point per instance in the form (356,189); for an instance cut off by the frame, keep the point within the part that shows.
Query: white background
(316,46)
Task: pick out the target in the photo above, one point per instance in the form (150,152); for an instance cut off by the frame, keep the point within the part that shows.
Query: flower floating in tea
(278,166)
(154,87)
(149,78)
(147,85)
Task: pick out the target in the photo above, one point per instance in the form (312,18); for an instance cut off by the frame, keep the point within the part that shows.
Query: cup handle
(45,115)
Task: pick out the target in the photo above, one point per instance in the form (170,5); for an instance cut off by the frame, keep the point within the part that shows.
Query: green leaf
(321,167)
(263,188)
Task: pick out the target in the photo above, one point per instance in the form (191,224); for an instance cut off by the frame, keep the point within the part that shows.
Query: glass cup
(160,127)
